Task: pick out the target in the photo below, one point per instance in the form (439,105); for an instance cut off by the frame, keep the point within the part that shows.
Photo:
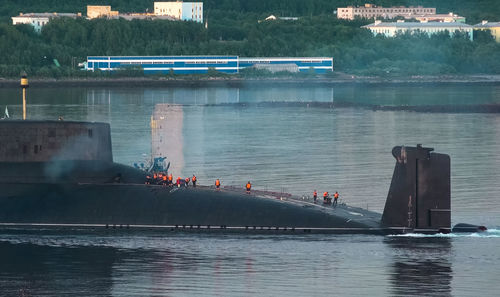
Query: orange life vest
(325,194)
(249,186)
(336,195)
(217,182)
(194,178)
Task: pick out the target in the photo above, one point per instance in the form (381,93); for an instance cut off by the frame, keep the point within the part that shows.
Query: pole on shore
(24,86)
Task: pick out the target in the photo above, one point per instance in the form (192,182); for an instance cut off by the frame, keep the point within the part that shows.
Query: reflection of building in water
(421,267)
(166,135)
(193,95)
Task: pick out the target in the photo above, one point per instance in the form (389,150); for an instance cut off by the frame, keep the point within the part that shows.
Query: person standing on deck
(194,181)
(335,198)
(217,184)
(248,187)
(187,181)
(315,196)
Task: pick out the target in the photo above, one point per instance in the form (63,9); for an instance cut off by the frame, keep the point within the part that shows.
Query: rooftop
(47,14)
(418,24)
(486,24)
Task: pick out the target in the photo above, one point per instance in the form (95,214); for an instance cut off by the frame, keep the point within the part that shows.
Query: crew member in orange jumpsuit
(249,187)
(335,198)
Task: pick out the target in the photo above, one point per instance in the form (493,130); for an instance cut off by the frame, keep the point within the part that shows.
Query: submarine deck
(350,219)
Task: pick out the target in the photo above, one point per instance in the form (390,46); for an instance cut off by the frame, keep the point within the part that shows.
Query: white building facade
(38,20)
(370,11)
(393,29)
(186,11)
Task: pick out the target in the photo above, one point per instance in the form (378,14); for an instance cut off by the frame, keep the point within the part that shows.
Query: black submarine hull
(62,175)
(138,205)
(86,194)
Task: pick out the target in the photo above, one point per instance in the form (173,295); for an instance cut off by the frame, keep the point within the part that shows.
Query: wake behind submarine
(61,174)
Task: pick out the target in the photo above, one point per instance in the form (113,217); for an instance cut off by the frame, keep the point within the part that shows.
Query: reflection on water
(395,95)
(158,264)
(421,267)
(38,270)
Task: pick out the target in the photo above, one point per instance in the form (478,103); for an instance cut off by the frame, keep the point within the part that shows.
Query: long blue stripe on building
(202,64)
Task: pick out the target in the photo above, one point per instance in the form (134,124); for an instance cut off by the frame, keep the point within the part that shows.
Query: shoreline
(131,82)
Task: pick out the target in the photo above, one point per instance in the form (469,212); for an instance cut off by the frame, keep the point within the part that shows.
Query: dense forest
(234,29)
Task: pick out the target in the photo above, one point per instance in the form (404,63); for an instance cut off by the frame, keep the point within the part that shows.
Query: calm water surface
(225,134)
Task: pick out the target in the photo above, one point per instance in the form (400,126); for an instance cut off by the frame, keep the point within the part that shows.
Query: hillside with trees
(235,27)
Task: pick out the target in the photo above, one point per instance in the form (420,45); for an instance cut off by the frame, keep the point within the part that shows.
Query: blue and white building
(201,64)
(290,64)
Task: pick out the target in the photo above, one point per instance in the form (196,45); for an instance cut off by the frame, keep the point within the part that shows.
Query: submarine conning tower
(419,198)
(46,141)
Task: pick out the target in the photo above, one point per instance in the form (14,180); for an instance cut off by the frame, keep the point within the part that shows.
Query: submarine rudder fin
(419,198)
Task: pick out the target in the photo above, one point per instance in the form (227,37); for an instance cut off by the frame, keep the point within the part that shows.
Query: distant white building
(450,17)
(186,11)
(38,20)
(370,11)
(393,29)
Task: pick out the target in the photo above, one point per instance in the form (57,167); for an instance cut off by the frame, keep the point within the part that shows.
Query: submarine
(61,174)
